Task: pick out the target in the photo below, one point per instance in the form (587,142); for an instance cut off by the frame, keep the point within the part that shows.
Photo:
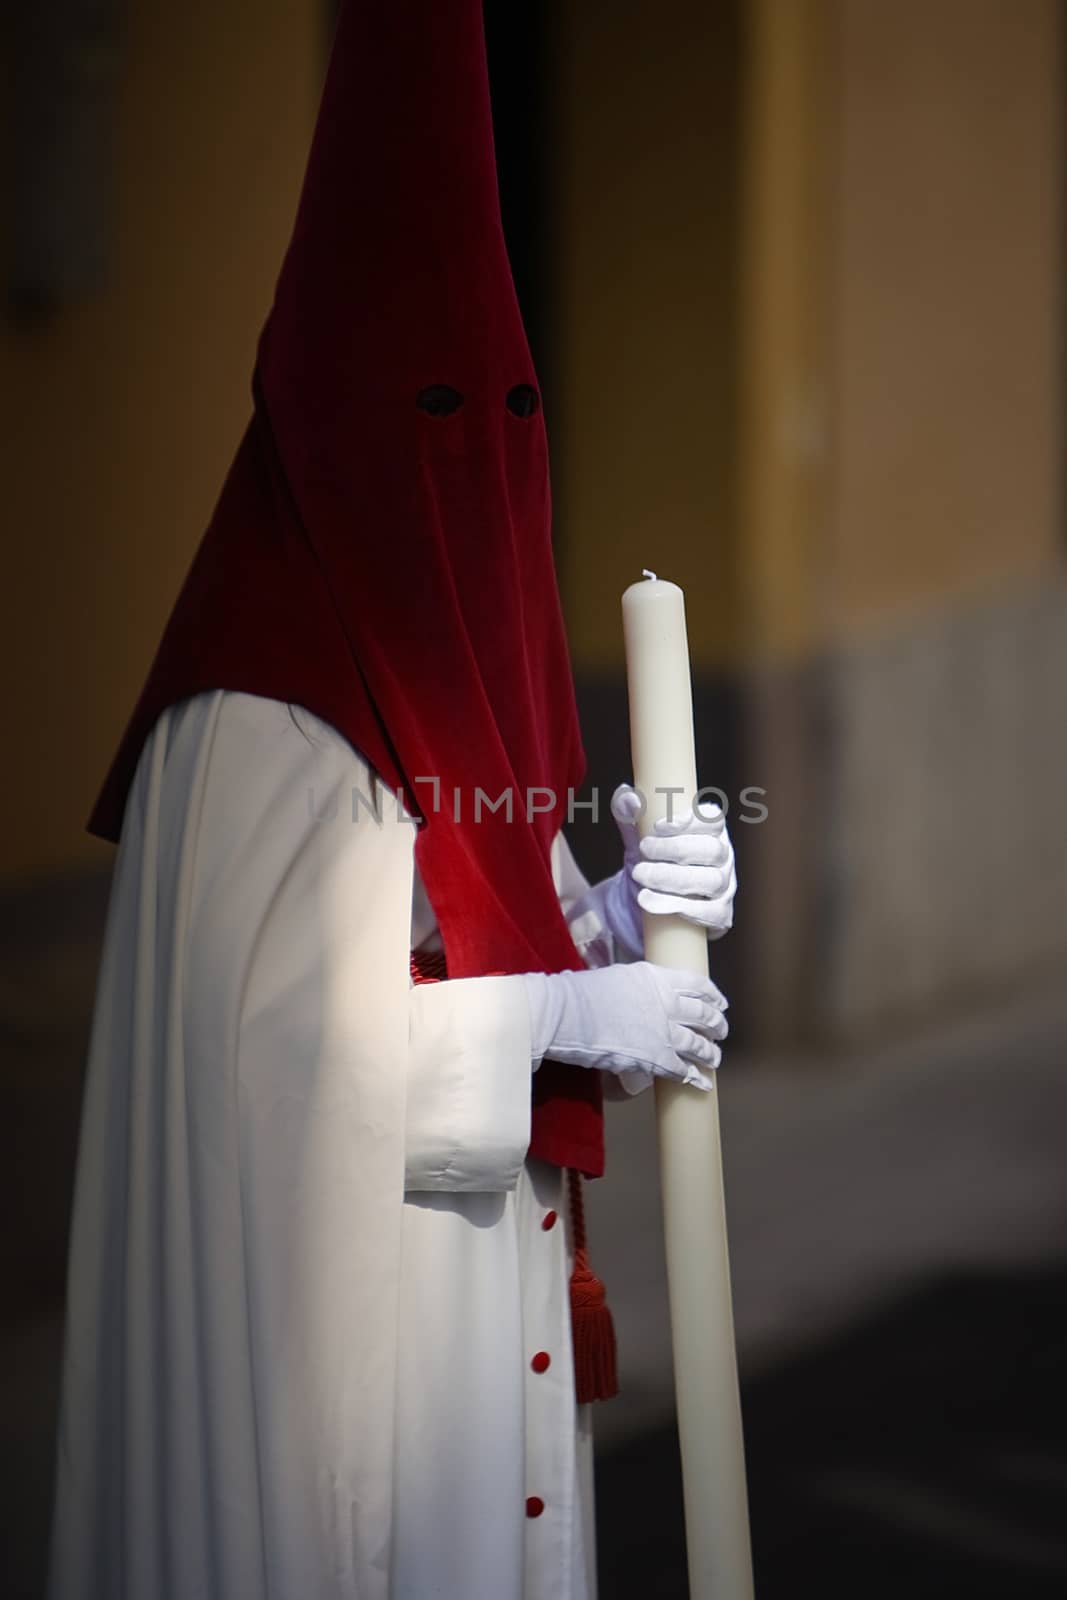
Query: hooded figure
(319,1338)
(382,550)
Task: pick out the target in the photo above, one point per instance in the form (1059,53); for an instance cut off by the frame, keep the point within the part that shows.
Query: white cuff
(594,929)
(468,1087)
(624,1085)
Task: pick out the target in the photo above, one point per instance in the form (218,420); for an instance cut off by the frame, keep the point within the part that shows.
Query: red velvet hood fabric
(386,565)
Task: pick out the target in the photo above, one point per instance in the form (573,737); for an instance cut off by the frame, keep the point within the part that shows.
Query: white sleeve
(470,1062)
(594,943)
(469,1067)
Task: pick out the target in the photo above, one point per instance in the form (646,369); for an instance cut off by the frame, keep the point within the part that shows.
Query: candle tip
(646,574)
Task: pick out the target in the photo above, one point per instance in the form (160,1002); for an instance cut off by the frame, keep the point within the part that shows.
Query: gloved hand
(625,1018)
(685,866)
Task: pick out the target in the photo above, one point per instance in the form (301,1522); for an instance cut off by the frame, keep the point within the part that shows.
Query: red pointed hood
(381,551)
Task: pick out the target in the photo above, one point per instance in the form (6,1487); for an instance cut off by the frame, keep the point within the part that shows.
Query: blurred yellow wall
(809,262)
(946,289)
(644,200)
(806,260)
(120,417)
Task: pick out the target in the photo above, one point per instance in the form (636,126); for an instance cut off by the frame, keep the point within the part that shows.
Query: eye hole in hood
(439,400)
(523,400)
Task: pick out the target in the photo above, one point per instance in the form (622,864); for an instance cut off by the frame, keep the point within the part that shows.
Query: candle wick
(646,574)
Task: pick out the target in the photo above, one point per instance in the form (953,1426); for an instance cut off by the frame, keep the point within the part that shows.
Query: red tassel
(591,1323)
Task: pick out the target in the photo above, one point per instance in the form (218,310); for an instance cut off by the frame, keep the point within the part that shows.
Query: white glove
(684,867)
(625,1018)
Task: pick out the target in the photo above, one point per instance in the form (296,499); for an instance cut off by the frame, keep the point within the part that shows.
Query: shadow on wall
(924,1452)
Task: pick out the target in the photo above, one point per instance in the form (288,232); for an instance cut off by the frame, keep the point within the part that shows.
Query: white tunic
(311,1269)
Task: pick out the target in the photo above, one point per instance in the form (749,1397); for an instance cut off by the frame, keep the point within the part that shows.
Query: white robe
(310,1266)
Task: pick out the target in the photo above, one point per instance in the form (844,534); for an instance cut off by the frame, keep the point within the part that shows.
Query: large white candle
(694,1218)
